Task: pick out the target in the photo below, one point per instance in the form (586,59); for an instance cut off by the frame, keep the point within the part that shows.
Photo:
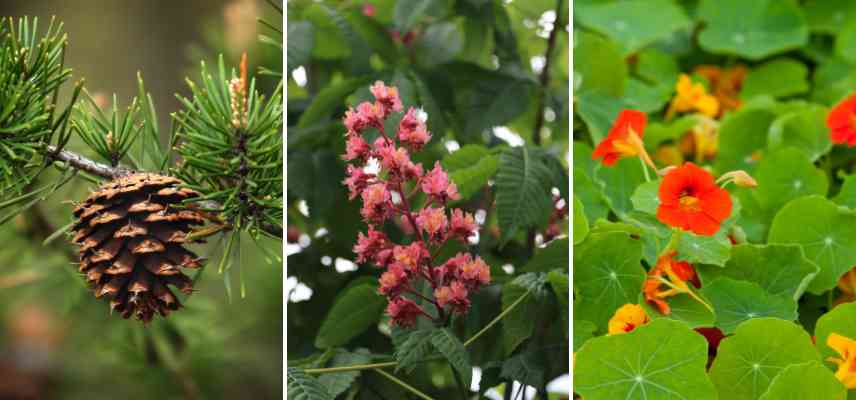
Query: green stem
(645,170)
(498,318)
(401,383)
(350,368)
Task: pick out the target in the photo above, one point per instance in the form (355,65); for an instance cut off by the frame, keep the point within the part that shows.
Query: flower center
(690,203)
(626,148)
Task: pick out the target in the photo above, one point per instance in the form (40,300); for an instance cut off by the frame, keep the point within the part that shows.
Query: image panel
(427,236)
(713,200)
(141,187)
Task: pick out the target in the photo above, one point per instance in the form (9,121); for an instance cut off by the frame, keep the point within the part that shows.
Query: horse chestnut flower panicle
(387,194)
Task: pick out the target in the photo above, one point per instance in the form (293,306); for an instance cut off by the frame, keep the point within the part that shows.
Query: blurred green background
(56,340)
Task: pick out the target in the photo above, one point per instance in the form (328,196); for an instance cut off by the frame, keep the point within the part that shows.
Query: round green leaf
(754,29)
(583,331)
(840,320)
(845,43)
(646,197)
(787,174)
(619,182)
(781,270)
(712,250)
(738,301)
(594,203)
(847,194)
(804,129)
(660,360)
(778,78)
(633,25)
(742,134)
(600,66)
(607,275)
(581,227)
(826,232)
(828,16)
(684,309)
(805,381)
(759,349)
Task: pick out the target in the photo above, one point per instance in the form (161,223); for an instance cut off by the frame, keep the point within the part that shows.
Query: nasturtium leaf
(353,311)
(780,77)
(780,269)
(633,25)
(302,386)
(826,233)
(654,235)
(658,67)
(712,250)
(522,191)
(646,197)
(594,203)
(581,227)
(786,174)
(833,80)
(583,331)
(805,381)
(415,347)
(607,275)
(841,320)
(754,220)
(753,30)
(760,348)
(470,168)
(560,282)
(553,256)
(847,194)
(645,97)
(453,350)
(660,360)
(618,183)
(658,132)
(600,65)
(737,301)
(582,158)
(828,16)
(742,137)
(683,308)
(845,42)
(598,110)
(804,129)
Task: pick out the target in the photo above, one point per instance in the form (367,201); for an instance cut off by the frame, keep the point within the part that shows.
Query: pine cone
(131,237)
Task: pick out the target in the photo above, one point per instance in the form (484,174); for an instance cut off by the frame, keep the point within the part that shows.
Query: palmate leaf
(553,256)
(518,325)
(660,360)
(337,383)
(470,168)
(523,185)
(451,347)
(357,308)
(415,347)
(305,387)
(299,44)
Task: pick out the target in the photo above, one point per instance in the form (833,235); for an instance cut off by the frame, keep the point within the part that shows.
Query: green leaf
(804,129)
(738,301)
(607,275)
(841,320)
(494,100)
(337,383)
(439,44)
(598,110)
(408,12)
(594,203)
(526,368)
(660,360)
(599,65)
(329,100)
(583,331)
(646,197)
(559,281)
(833,80)
(781,270)
(581,227)
(450,347)
(805,381)
(619,183)
(330,41)
(747,361)
(356,309)
(825,232)
(742,136)
(470,167)
(299,44)
(753,30)
(828,16)
(633,25)
(683,308)
(781,77)
(517,325)
(415,347)
(645,97)
(370,30)
(553,256)
(845,43)
(304,387)
(787,174)
(713,250)
(657,133)
(522,191)
(847,194)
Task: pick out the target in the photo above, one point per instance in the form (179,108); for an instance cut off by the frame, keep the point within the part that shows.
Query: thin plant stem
(687,291)
(645,170)
(403,384)
(498,318)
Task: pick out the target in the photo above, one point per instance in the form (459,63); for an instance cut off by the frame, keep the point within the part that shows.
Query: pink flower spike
(397,161)
(433,221)
(357,180)
(436,184)
(412,131)
(370,115)
(387,98)
(376,203)
(454,295)
(355,122)
(412,256)
(403,311)
(463,225)
(393,281)
(368,246)
(356,148)
(450,269)
(475,273)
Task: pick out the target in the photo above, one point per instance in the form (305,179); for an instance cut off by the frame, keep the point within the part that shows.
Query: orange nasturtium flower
(841,122)
(847,285)
(845,347)
(691,200)
(674,274)
(627,318)
(692,96)
(725,84)
(624,138)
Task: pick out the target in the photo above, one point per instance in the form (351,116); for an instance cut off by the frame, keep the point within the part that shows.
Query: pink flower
(436,184)
(366,115)
(463,225)
(475,273)
(449,270)
(357,180)
(376,201)
(397,160)
(403,311)
(368,246)
(411,256)
(432,220)
(412,131)
(393,281)
(356,148)
(387,98)
(454,295)
(368,10)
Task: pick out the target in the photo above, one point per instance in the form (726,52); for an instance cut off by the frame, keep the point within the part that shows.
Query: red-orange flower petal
(617,142)
(691,200)
(841,122)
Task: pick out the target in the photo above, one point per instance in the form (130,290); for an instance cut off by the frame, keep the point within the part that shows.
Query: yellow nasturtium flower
(627,318)
(845,347)
(692,97)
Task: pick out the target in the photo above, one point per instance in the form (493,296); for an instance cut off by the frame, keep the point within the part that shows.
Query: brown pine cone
(131,237)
